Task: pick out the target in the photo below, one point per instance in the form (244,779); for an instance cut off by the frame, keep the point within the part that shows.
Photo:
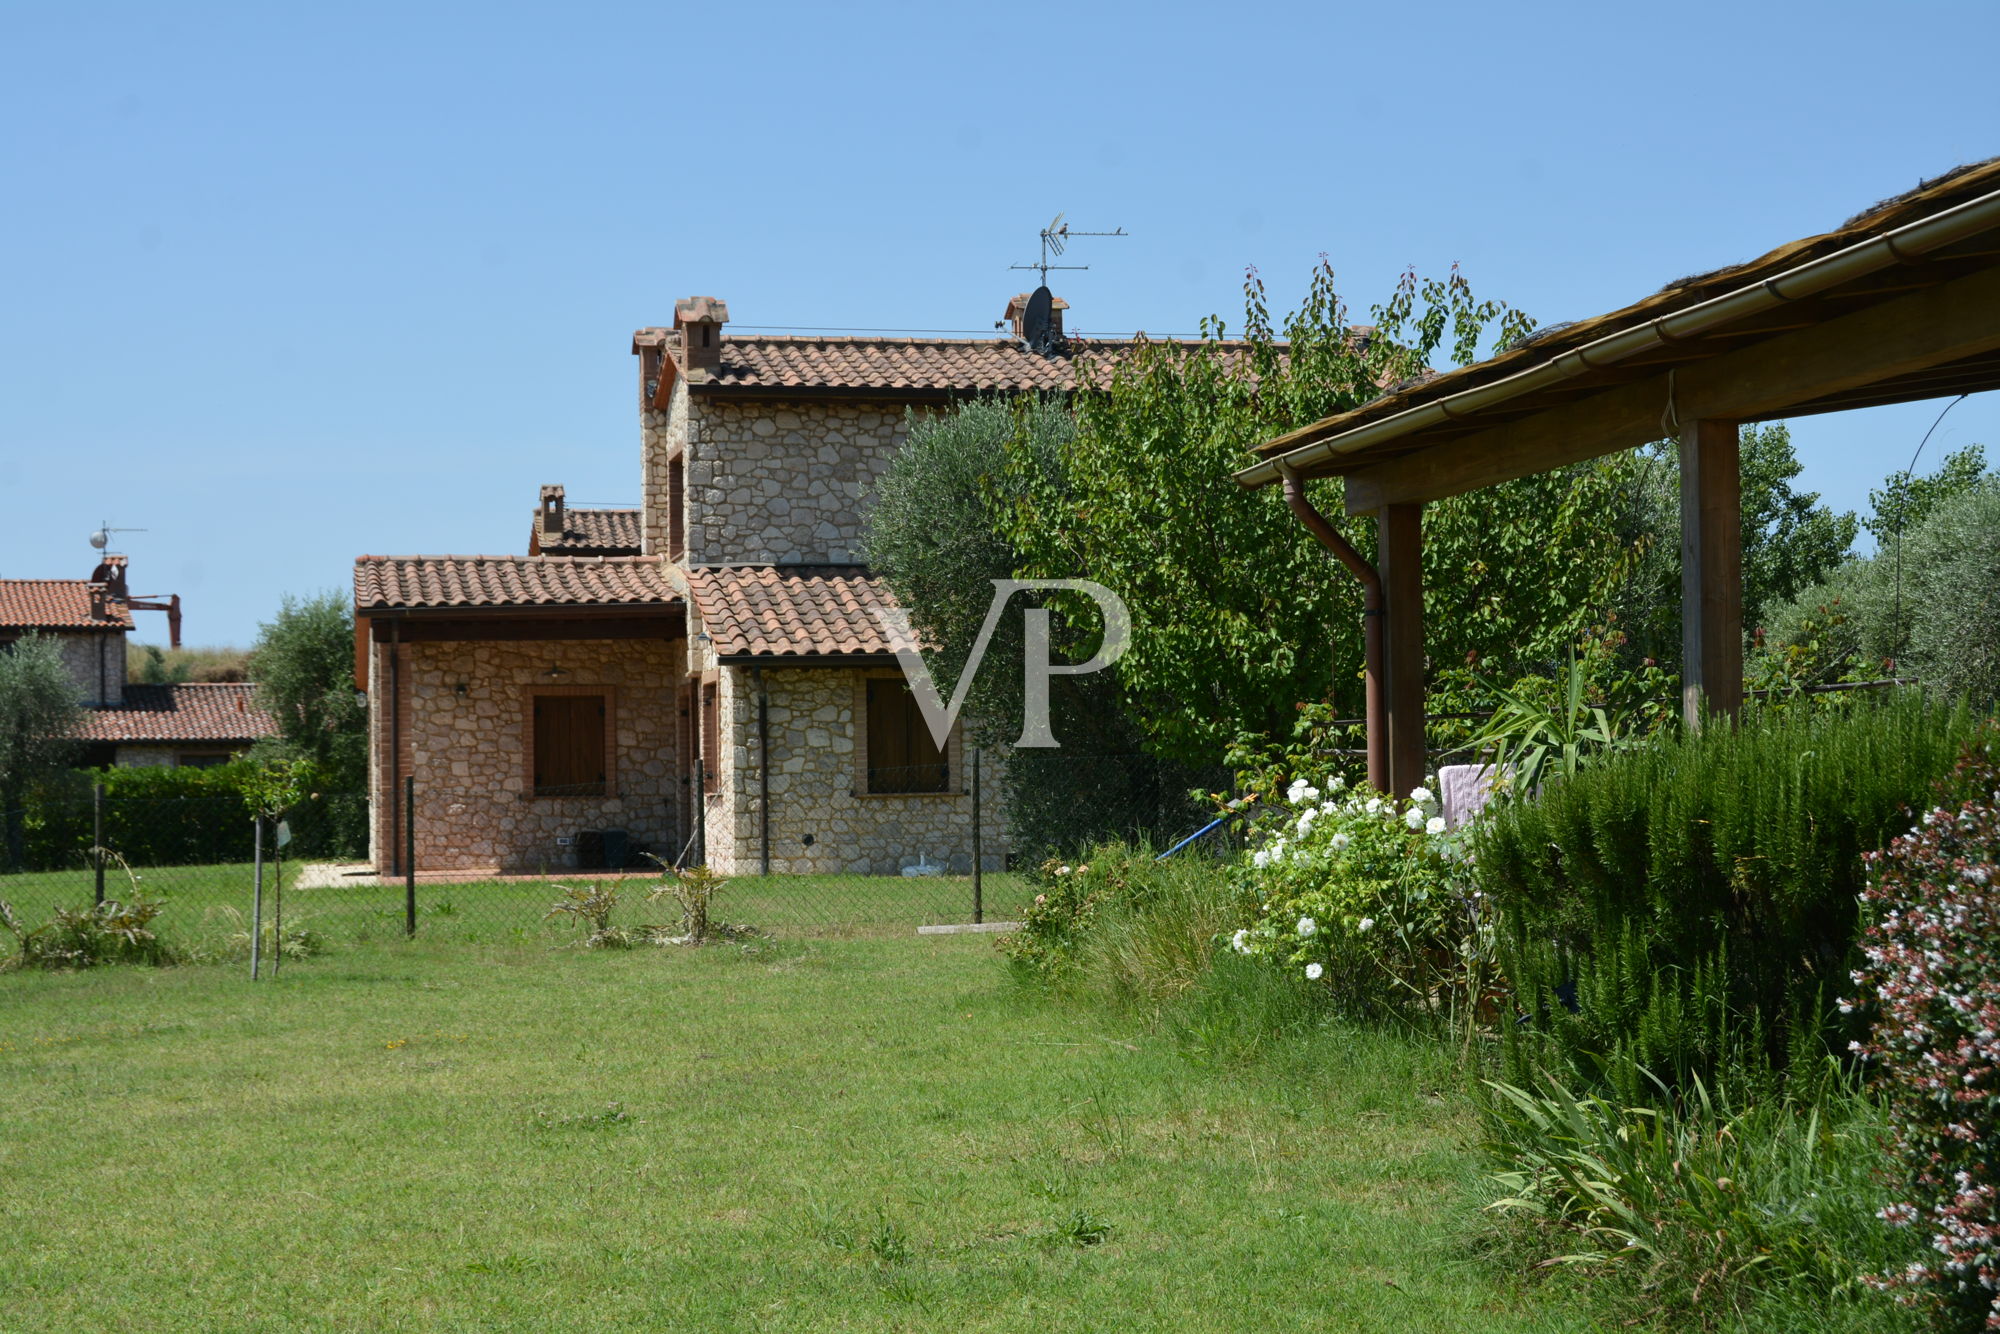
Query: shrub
(1362,895)
(1931,978)
(1124,923)
(1691,908)
(105,933)
(592,905)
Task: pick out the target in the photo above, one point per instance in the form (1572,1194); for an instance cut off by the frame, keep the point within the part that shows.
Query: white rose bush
(1365,895)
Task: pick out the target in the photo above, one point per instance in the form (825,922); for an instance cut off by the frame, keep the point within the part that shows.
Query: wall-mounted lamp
(461,690)
(555,673)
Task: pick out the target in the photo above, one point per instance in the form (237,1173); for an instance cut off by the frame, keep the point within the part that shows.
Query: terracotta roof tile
(894,365)
(390,583)
(194,711)
(56,604)
(791,610)
(590,533)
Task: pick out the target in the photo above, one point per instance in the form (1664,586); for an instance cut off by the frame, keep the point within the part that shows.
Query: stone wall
(469,753)
(768,482)
(817,776)
(80,657)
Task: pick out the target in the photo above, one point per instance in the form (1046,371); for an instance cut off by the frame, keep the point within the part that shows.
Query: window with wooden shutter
(569,759)
(901,755)
(711,736)
(676,508)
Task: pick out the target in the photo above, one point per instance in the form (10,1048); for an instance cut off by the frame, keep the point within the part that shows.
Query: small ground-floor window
(569,746)
(901,755)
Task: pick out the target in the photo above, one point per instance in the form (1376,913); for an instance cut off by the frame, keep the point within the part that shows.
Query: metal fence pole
(700,816)
(979,905)
(257,896)
(410,855)
(97,836)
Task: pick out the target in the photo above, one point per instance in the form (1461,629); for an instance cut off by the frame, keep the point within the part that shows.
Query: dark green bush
(1690,909)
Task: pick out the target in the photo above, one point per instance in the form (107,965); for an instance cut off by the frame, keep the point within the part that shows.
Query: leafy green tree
(1904,501)
(1238,615)
(1790,540)
(38,717)
(303,663)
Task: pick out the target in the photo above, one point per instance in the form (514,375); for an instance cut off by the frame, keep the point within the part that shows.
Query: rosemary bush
(1691,908)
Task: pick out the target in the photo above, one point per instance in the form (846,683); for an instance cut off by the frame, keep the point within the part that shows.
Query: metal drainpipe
(395,746)
(763,772)
(1371,620)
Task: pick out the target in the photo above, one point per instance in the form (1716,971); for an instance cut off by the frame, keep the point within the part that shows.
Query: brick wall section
(475,809)
(818,737)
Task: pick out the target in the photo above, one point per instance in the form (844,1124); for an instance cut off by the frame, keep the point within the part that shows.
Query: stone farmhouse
(191,724)
(703,676)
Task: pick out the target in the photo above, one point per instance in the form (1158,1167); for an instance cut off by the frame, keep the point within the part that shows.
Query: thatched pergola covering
(1900,303)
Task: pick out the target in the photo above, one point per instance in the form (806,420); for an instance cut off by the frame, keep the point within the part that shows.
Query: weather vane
(1055,237)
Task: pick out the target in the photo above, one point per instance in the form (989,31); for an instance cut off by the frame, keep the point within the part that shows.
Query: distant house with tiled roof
(89,620)
(705,673)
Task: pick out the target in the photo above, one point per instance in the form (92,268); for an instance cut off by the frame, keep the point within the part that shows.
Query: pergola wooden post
(1711,570)
(1400,558)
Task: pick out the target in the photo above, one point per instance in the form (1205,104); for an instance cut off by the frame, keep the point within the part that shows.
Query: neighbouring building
(190,724)
(703,675)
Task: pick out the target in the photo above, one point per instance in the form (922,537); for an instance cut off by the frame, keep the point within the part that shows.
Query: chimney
(700,320)
(1017,314)
(97,608)
(111,573)
(552,511)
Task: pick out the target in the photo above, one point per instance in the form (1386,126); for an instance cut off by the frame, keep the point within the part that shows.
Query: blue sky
(286,284)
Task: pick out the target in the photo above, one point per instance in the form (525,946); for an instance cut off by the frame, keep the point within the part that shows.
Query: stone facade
(469,750)
(767,483)
(822,818)
(96,662)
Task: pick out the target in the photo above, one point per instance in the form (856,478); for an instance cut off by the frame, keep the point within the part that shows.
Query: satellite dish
(101,538)
(1038,320)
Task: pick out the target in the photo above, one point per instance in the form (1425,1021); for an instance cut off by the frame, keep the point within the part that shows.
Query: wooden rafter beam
(1900,336)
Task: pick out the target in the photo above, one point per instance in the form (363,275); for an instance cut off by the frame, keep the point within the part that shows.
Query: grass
(866,1133)
(208,906)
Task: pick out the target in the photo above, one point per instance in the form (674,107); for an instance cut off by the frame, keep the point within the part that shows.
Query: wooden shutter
(676,508)
(569,745)
(901,755)
(711,736)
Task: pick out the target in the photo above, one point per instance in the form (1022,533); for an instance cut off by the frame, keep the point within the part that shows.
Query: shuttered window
(901,755)
(711,737)
(569,745)
(676,509)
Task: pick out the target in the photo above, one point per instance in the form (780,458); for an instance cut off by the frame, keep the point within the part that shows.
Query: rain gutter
(1903,245)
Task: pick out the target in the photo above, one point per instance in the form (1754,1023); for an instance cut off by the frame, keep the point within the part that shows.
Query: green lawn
(207,905)
(867,1133)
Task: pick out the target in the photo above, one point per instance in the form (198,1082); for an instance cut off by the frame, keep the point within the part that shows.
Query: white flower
(1329,806)
(1340,841)
(1306,818)
(1434,825)
(1062,870)
(1335,784)
(1374,806)
(1414,817)
(1301,793)
(1240,942)
(1307,926)
(1421,795)
(1313,972)
(1261,858)
(1367,924)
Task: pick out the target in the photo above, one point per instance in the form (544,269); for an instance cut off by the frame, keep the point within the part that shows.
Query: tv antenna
(102,537)
(1055,238)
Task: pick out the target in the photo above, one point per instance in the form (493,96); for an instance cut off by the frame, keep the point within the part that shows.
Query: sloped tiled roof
(895,365)
(56,604)
(589,533)
(192,711)
(791,610)
(392,583)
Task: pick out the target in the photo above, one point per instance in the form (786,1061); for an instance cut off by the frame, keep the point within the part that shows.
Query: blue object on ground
(1208,828)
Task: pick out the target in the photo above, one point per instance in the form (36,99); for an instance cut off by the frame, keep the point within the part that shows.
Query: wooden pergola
(1901,303)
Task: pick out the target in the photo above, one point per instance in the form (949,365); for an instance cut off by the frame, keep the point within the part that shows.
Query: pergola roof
(1900,303)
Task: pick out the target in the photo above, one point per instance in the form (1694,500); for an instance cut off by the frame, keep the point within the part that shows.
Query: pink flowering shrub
(1932,980)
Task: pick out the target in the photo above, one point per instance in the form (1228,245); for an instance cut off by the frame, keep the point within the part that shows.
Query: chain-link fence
(892,849)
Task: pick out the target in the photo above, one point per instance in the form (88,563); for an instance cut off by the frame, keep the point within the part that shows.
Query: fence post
(257,895)
(410,855)
(97,836)
(979,907)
